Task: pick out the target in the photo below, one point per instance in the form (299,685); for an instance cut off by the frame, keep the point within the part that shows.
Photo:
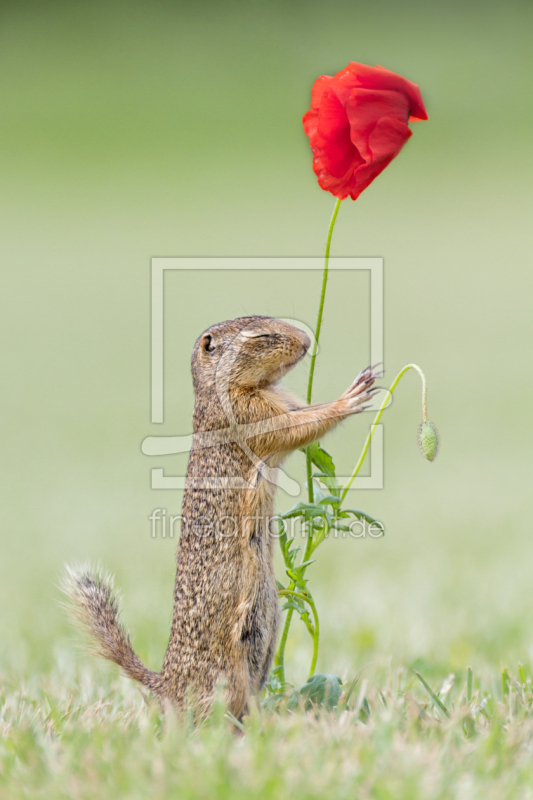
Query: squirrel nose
(305,340)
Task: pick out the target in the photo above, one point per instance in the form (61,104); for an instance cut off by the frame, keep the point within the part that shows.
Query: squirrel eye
(208,343)
(255,334)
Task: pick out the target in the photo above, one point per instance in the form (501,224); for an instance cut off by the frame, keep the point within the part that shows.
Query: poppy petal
(366,107)
(333,137)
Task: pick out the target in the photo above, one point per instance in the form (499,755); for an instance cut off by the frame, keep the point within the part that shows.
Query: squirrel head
(247,352)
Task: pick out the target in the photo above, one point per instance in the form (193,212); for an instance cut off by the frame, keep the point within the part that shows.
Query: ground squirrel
(226,610)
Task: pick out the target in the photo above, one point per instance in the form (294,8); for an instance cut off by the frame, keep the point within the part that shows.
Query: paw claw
(360,390)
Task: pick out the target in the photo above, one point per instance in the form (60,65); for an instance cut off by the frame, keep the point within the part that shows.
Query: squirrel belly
(226,611)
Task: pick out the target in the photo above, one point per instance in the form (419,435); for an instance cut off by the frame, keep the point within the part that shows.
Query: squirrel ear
(207,342)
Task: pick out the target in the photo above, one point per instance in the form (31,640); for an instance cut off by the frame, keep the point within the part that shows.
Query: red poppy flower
(357,124)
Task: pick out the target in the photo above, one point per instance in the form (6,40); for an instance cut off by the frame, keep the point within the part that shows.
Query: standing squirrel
(226,610)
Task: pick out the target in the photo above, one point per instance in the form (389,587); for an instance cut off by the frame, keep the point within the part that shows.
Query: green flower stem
(378,417)
(316,633)
(309,543)
(279,659)
(322,299)
(309,466)
(280,655)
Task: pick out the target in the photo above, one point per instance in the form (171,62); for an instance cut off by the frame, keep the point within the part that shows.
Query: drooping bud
(428,440)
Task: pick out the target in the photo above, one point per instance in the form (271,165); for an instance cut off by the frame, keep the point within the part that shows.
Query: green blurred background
(142,129)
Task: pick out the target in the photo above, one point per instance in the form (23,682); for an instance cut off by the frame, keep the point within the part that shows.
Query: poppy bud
(428,440)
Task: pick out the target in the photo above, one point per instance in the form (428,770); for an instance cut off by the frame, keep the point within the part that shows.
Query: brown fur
(226,611)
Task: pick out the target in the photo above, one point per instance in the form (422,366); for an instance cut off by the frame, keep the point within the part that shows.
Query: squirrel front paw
(361,391)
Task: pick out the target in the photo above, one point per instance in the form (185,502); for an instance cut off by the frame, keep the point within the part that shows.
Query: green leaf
(293,603)
(330,483)
(306,618)
(273,702)
(293,701)
(322,459)
(289,556)
(297,576)
(308,511)
(329,500)
(345,512)
(324,462)
(322,690)
(319,536)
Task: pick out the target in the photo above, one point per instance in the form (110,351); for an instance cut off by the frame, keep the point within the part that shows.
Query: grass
(91,734)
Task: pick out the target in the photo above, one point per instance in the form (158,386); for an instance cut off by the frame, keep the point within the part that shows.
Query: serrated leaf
(275,685)
(293,700)
(324,462)
(307,511)
(291,556)
(319,537)
(329,500)
(322,690)
(331,483)
(292,603)
(345,512)
(322,459)
(297,574)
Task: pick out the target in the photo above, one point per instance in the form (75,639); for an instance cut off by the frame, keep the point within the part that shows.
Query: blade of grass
(355,682)
(432,694)
(238,724)
(469,676)
(505,683)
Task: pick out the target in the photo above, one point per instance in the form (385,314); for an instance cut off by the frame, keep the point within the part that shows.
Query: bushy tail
(95,606)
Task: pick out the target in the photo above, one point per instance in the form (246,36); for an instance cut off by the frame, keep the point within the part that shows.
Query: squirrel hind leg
(94,606)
